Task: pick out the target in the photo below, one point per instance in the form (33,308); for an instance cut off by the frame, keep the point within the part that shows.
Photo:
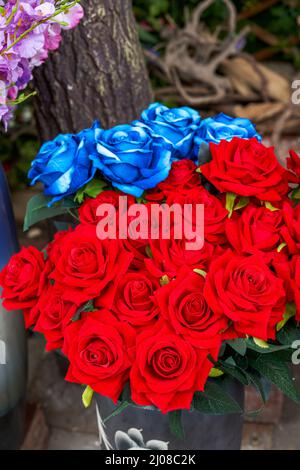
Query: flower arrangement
(145,320)
(29,29)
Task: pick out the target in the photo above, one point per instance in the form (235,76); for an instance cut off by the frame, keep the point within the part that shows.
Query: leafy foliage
(215,400)
(19,146)
(156,20)
(175,424)
(38,209)
(275,370)
(91,189)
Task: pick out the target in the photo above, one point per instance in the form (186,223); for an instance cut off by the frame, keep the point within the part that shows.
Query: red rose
(88,210)
(215,213)
(22,280)
(255,228)
(184,307)
(246,168)
(289,272)
(182,177)
(291,230)
(294,267)
(167,370)
(169,256)
(138,249)
(285,270)
(101,352)
(86,264)
(54,248)
(293,164)
(181,244)
(53,315)
(87,215)
(245,290)
(131,299)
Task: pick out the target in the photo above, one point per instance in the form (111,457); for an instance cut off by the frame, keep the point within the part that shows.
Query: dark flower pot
(13,350)
(201,432)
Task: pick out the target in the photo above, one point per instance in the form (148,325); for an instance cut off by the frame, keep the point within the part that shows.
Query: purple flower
(19,56)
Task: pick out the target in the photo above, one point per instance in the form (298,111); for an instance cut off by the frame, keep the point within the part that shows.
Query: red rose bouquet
(147,312)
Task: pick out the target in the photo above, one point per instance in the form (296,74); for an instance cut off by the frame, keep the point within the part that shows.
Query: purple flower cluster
(29,29)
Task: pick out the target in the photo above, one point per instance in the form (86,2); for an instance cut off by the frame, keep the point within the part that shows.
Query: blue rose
(132,158)
(222,127)
(177,126)
(63,165)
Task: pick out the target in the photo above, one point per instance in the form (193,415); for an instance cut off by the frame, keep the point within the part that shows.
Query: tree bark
(98,73)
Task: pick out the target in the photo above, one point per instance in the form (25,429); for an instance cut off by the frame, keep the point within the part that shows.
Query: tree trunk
(98,73)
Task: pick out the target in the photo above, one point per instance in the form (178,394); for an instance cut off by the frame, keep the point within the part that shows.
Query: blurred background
(203,55)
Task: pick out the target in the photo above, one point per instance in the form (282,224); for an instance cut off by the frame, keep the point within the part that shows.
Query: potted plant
(176,284)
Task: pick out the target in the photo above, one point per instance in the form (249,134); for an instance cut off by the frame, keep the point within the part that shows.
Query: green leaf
(239,345)
(91,189)
(271,207)
(278,373)
(214,372)
(296,194)
(149,251)
(261,343)
(123,405)
(126,393)
(215,400)
(141,200)
(200,272)
(61,226)
(175,424)
(289,333)
(243,202)
(263,350)
(290,311)
(164,280)
(146,37)
(230,200)
(87,307)
(234,371)
(87,396)
(259,383)
(38,209)
(280,247)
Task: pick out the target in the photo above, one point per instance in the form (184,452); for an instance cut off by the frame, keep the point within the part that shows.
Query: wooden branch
(200,100)
(256,9)
(199,10)
(264,35)
(279,126)
(268,52)
(229,50)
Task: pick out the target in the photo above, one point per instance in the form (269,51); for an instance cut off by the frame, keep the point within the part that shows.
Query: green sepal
(290,311)
(87,396)
(200,272)
(230,200)
(269,206)
(215,372)
(243,202)
(91,189)
(280,247)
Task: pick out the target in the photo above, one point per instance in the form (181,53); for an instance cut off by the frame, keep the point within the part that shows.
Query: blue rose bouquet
(132,157)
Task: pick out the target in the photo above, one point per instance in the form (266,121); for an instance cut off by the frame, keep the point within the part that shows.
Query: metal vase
(13,347)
